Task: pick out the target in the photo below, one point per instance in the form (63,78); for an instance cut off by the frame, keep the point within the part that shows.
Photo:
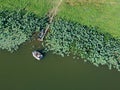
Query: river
(20,71)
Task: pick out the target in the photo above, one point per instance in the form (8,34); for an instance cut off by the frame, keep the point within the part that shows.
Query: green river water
(20,71)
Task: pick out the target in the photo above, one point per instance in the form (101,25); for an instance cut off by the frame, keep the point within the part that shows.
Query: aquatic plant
(16,27)
(67,37)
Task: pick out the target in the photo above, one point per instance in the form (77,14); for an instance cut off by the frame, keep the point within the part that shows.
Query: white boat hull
(37,55)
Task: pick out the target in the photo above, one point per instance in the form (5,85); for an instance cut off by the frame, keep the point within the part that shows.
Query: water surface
(20,71)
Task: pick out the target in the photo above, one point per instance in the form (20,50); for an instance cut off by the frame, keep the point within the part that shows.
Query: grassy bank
(39,7)
(102,13)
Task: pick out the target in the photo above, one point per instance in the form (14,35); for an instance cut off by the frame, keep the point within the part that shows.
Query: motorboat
(37,55)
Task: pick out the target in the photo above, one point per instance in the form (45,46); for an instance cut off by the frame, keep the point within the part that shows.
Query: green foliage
(86,42)
(18,26)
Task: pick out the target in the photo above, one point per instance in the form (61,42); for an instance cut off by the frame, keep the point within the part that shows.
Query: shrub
(16,27)
(86,42)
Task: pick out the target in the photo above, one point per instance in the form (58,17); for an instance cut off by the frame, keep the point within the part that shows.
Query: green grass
(104,14)
(39,7)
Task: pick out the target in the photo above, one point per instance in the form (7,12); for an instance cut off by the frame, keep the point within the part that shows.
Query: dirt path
(51,16)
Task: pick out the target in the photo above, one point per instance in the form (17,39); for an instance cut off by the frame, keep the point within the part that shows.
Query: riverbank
(103,13)
(65,37)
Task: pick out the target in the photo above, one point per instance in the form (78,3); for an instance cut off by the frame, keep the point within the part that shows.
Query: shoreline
(67,37)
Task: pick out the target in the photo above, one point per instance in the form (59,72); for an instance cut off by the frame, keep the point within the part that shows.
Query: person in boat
(37,55)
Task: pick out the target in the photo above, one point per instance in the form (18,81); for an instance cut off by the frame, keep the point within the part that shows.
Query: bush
(16,27)
(86,42)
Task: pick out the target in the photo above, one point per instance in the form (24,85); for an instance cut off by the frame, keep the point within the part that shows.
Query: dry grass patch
(86,2)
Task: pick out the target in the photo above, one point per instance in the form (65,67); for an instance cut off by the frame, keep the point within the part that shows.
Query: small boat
(37,55)
(41,35)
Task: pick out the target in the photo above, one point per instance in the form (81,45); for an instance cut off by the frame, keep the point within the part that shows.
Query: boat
(37,55)
(41,35)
